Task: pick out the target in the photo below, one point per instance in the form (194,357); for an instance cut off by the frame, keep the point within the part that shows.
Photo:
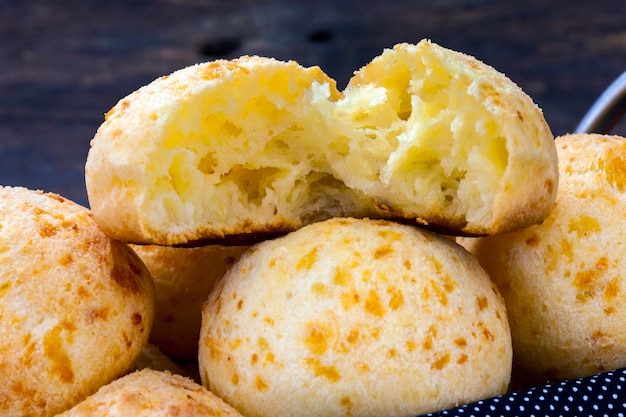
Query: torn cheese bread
(256,147)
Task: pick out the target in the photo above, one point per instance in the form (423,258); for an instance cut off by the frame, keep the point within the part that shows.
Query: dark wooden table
(64,63)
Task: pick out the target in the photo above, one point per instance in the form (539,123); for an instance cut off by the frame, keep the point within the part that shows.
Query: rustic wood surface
(64,63)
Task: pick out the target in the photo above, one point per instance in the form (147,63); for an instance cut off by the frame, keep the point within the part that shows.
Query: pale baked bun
(151,393)
(255,147)
(76,306)
(351,317)
(183,279)
(563,281)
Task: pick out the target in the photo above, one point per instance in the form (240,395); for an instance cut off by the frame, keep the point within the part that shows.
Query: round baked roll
(563,281)
(254,147)
(150,393)
(356,318)
(183,279)
(76,306)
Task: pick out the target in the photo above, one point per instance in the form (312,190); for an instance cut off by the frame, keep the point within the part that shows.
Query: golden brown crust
(563,280)
(253,147)
(150,393)
(354,317)
(76,308)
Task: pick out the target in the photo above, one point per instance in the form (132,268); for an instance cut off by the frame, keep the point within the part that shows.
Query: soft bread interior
(257,144)
(444,145)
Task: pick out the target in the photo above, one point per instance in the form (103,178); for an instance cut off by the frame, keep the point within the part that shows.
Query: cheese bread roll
(350,317)
(563,281)
(183,279)
(150,393)
(255,147)
(76,307)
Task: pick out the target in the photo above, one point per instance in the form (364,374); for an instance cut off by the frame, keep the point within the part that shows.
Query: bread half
(258,147)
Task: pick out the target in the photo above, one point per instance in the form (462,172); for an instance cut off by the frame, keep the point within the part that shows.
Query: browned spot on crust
(317,338)
(373,304)
(46,229)
(307,261)
(383,251)
(60,362)
(441,362)
(587,282)
(261,385)
(397,298)
(326,371)
(217,69)
(460,342)
(97,314)
(136,319)
(533,240)
(482,302)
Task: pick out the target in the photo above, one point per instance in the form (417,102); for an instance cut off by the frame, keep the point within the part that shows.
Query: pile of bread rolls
(261,243)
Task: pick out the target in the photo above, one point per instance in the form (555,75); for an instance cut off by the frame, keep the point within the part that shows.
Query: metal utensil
(607,110)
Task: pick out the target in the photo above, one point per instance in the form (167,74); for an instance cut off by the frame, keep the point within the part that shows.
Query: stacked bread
(290,242)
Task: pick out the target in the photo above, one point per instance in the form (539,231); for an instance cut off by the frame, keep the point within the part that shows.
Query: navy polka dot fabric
(599,395)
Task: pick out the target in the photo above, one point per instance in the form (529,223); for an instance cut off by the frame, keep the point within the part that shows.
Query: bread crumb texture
(563,280)
(355,318)
(75,306)
(252,145)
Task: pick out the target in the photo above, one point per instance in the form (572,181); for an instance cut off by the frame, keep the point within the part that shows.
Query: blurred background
(64,63)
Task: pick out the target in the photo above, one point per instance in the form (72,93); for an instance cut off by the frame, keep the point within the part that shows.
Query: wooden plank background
(64,63)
